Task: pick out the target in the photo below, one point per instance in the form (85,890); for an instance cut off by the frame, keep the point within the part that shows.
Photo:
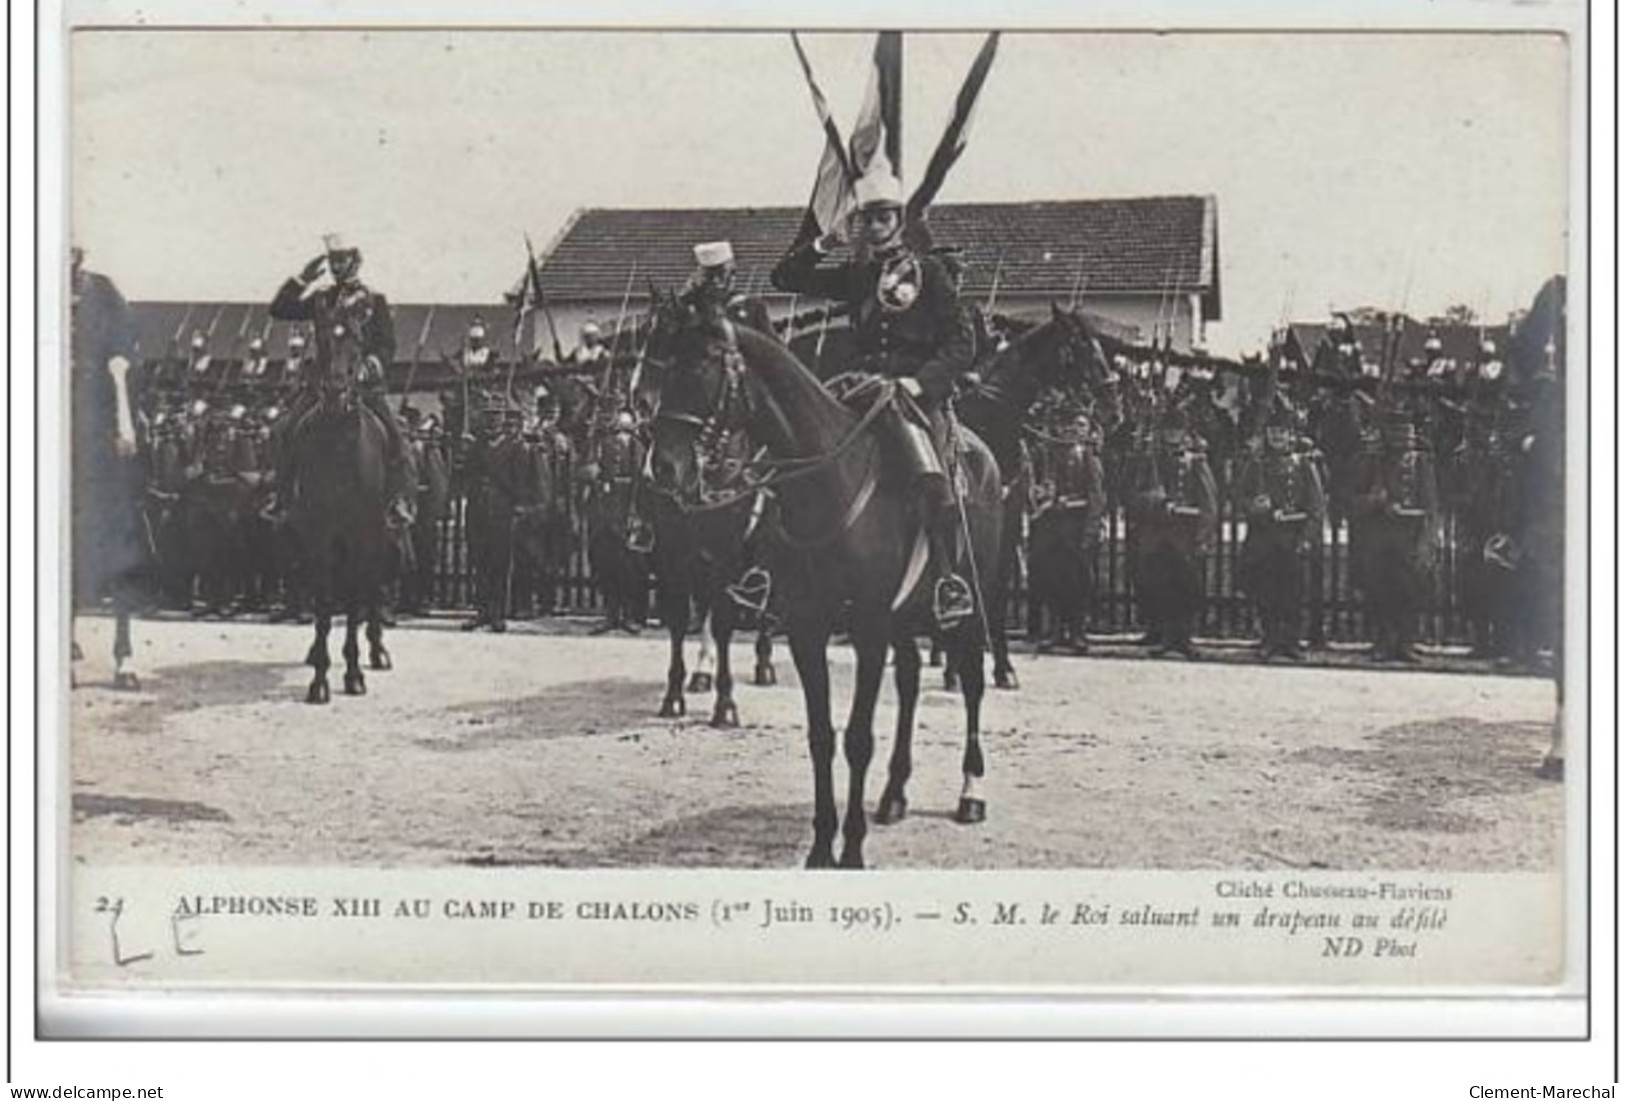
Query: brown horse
(339,455)
(849,540)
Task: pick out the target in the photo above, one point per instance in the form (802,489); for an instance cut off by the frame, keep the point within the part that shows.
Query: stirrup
(953,601)
(752,590)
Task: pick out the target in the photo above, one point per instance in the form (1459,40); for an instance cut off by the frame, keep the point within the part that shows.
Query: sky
(1414,171)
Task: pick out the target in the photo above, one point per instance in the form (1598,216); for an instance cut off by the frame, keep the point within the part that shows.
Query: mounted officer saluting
(348,305)
(910,326)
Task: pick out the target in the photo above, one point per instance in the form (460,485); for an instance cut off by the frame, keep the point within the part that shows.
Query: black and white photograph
(709,497)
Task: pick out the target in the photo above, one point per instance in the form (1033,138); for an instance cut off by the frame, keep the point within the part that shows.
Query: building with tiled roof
(1148,265)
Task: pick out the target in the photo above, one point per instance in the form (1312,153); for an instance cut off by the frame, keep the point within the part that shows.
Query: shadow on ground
(1422,768)
(579,708)
(757,836)
(126,810)
(175,689)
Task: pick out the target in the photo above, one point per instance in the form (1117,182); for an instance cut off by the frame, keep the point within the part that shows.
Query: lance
(541,300)
(236,348)
(208,338)
(1078,283)
(417,354)
(620,321)
(993,287)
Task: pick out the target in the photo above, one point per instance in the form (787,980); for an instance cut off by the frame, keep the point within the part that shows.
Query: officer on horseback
(909,326)
(714,286)
(348,304)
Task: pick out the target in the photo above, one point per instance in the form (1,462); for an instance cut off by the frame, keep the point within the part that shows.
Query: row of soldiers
(1427,460)
(1296,457)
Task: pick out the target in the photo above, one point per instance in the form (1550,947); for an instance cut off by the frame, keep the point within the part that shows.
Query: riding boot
(952,600)
(400,480)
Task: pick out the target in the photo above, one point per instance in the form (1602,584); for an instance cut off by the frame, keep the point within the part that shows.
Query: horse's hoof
(892,810)
(726,716)
(852,859)
(699,682)
(766,677)
(631,629)
(355,684)
(471,625)
(381,661)
(318,693)
(1550,769)
(1006,679)
(499,627)
(970,811)
(673,708)
(821,857)
(126,682)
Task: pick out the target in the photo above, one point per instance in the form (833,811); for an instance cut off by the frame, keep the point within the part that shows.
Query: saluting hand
(314,269)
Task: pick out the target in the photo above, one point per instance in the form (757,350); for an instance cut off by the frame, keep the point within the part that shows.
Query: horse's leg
(124,676)
(702,680)
(893,806)
(994,604)
(674,608)
(726,713)
(318,657)
(377,654)
(966,652)
(765,674)
(808,646)
(355,683)
(870,641)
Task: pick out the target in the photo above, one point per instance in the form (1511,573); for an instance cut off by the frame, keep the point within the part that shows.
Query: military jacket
(906,317)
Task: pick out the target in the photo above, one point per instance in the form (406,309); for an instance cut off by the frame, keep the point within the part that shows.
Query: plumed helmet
(256,345)
(714,254)
(199,340)
(1433,345)
(296,341)
(591,329)
(878,190)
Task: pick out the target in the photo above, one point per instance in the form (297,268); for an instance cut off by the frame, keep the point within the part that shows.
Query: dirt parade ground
(542,747)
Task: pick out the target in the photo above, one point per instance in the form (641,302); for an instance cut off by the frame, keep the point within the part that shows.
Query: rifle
(615,341)
(417,354)
(236,348)
(993,288)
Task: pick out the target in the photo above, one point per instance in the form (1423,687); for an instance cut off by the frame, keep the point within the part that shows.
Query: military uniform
(1394,532)
(1173,509)
(348,308)
(1278,490)
(908,324)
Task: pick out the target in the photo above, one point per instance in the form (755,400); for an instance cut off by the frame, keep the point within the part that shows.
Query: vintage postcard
(1034,511)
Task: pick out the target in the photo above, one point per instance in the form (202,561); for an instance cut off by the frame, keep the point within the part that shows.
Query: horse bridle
(725,415)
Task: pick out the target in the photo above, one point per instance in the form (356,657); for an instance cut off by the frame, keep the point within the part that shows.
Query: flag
(955,134)
(877,136)
(832,185)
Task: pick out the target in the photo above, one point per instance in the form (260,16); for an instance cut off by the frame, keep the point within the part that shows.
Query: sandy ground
(542,747)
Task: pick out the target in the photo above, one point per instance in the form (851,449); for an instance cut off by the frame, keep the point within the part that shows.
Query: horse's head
(1081,361)
(347,367)
(703,394)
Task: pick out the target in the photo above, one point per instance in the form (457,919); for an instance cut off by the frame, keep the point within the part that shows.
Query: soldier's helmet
(714,257)
(200,340)
(256,346)
(591,333)
(476,330)
(343,258)
(1433,345)
(296,342)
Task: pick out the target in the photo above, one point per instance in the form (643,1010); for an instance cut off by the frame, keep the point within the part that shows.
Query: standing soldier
(1480,489)
(1394,532)
(1174,503)
(346,305)
(908,326)
(1278,490)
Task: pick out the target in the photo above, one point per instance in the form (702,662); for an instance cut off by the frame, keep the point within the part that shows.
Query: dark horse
(849,538)
(339,452)
(704,513)
(1061,353)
